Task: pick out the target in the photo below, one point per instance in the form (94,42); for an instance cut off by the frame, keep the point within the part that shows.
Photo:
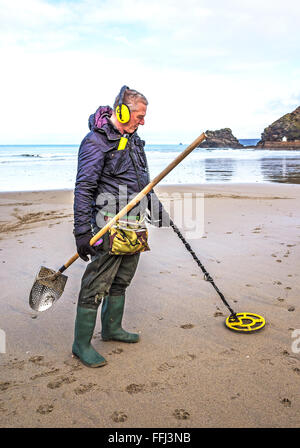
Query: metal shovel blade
(47,289)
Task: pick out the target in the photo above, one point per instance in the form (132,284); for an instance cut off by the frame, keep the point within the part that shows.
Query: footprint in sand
(135,388)
(37,359)
(186,357)
(117,351)
(60,381)
(218,313)
(165,367)
(45,408)
(177,361)
(44,374)
(229,352)
(119,416)
(74,363)
(235,396)
(17,364)
(181,414)
(5,385)
(187,326)
(83,388)
(286,402)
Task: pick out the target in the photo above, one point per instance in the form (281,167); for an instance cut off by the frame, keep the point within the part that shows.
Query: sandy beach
(188,370)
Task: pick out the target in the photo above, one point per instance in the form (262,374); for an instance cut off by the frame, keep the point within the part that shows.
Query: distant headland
(284,133)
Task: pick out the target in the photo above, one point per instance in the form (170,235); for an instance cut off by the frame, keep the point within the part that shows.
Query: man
(109,171)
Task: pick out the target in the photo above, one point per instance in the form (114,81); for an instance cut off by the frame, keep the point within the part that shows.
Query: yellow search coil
(245,322)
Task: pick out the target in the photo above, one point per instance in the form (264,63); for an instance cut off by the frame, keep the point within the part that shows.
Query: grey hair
(131,98)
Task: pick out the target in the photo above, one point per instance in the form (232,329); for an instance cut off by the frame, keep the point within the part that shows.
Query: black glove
(83,245)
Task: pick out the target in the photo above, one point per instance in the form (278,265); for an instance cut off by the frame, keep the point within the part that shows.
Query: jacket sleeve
(90,166)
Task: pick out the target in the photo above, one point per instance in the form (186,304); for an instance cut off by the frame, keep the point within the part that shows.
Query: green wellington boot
(84,328)
(111,316)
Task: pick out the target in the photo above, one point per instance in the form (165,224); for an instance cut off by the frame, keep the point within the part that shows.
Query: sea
(52,167)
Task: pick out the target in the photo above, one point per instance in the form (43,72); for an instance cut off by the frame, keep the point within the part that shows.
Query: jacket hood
(100,117)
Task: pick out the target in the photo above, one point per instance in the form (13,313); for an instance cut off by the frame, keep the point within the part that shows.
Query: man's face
(137,118)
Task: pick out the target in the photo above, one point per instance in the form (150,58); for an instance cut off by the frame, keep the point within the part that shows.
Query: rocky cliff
(286,130)
(222,138)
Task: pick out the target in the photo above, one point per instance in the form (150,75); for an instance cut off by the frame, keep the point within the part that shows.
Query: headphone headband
(121,94)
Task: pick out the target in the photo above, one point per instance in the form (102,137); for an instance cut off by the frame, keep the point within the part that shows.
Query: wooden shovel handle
(139,196)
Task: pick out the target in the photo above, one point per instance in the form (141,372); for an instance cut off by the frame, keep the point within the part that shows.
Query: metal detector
(240,322)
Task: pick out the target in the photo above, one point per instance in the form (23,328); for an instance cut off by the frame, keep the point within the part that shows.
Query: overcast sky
(202,64)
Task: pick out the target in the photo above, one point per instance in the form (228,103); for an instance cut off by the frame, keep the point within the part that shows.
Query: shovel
(49,284)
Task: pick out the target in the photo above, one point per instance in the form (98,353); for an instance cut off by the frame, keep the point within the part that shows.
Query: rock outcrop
(284,132)
(222,138)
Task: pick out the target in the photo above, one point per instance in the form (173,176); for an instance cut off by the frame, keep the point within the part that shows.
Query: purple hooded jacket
(102,168)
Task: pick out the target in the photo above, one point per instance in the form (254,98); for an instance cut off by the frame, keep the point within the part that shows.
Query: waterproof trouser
(106,275)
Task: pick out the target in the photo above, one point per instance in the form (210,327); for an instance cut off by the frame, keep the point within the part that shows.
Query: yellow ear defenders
(122,111)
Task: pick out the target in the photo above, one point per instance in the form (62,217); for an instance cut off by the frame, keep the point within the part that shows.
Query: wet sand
(188,370)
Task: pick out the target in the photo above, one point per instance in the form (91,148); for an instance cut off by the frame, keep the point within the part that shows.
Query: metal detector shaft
(139,196)
(207,276)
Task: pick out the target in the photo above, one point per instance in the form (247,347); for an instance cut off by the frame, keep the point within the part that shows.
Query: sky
(202,64)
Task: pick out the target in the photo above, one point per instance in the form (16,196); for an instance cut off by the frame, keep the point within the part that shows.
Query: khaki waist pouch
(127,241)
